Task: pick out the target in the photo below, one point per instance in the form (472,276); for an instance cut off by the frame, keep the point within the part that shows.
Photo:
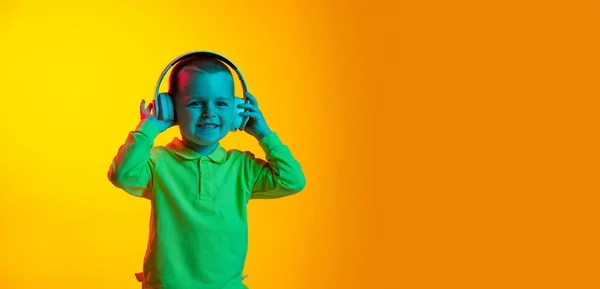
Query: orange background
(445,144)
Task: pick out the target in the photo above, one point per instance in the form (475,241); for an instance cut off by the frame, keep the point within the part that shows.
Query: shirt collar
(178,147)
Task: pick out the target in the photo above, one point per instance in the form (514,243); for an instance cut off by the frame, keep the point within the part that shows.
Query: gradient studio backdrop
(446,145)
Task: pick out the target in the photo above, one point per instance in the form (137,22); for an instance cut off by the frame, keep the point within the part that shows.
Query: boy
(198,191)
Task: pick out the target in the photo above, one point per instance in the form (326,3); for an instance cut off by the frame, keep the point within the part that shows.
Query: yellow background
(445,144)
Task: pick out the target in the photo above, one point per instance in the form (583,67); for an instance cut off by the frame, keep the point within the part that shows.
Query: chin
(202,141)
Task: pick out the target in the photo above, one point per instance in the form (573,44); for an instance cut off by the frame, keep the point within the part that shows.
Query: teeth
(208,126)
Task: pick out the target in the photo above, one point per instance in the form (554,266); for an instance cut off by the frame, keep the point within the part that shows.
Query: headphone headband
(202,54)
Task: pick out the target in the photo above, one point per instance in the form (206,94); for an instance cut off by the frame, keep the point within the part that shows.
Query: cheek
(227,116)
(186,116)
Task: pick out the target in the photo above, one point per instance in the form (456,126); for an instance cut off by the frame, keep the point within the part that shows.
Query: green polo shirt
(198,226)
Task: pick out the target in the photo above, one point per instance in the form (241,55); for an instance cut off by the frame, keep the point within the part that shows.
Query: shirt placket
(206,190)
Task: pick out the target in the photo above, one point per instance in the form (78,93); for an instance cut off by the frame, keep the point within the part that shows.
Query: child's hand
(146,114)
(256,126)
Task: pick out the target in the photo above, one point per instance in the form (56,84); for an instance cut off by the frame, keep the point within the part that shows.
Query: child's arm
(132,167)
(281,175)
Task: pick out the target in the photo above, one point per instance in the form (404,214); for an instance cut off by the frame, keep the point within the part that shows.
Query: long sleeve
(132,167)
(281,175)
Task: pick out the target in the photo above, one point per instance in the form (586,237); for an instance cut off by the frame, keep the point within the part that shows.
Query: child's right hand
(146,114)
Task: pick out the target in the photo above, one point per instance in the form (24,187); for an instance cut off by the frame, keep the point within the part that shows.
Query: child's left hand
(256,126)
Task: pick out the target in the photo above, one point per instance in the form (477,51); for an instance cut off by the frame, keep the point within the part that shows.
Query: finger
(252,114)
(148,108)
(249,107)
(251,98)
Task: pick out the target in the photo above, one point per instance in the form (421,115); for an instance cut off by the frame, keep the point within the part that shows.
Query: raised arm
(280,175)
(132,167)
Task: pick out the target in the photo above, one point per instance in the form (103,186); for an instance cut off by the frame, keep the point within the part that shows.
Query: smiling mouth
(207,126)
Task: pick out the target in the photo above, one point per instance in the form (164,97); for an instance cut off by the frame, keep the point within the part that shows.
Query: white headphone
(163,103)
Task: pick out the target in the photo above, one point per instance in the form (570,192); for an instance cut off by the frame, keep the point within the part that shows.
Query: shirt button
(206,176)
(204,161)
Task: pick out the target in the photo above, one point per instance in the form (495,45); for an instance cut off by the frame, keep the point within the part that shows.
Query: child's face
(204,106)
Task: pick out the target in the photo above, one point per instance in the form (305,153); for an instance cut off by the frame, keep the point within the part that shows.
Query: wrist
(262,134)
(148,128)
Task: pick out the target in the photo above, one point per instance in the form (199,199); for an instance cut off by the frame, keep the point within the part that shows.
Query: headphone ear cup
(237,118)
(244,119)
(164,107)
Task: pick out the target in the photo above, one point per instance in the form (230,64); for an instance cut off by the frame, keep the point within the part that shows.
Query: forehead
(205,84)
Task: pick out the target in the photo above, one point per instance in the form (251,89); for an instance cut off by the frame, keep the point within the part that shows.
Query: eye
(194,103)
(221,103)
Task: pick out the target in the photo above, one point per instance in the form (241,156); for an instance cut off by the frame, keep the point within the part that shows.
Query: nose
(208,111)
